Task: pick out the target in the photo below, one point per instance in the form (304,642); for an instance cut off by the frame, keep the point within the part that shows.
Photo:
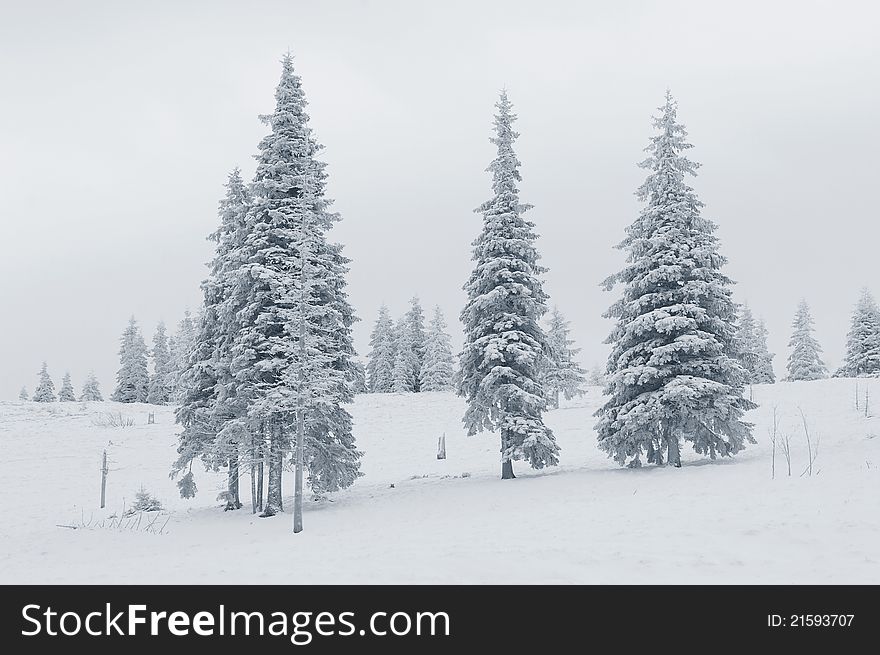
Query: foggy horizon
(121,125)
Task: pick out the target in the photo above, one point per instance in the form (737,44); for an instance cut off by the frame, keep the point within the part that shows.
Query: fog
(120,122)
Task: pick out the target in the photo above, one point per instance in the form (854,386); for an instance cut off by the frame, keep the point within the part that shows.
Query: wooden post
(441,447)
(151,418)
(103,479)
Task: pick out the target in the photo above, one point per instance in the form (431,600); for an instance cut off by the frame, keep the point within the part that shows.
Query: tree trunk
(673,456)
(507,470)
(507,464)
(655,455)
(555,399)
(273,488)
(233,500)
(260,487)
(253,487)
(261,453)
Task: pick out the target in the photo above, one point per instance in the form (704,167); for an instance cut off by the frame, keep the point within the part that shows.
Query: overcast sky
(120,121)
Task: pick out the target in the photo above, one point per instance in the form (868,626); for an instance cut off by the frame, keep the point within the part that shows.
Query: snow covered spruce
(407,358)
(45,391)
(752,350)
(133,378)
(804,362)
(862,357)
(158,392)
(438,365)
(505,346)
(66,394)
(91,390)
(272,353)
(561,372)
(672,372)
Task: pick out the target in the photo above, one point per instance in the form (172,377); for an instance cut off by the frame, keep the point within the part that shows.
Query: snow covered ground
(454,520)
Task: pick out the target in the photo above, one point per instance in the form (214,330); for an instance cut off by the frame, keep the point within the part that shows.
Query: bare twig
(812,448)
(773,435)
(785,447)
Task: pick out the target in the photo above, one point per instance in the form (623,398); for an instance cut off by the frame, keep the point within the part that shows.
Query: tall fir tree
(212,412)
(562,374)
(751,348)
(415,323)
(862,357)
(380,361)
(672,371)
(504,343)
(180,347)
(406,358)
(157,392)
(291,271)
(66,394)
(23,394)
(132,379)
(45,391)
(438,366)
(804,362)
(91,390)
(746,341)
(239,442)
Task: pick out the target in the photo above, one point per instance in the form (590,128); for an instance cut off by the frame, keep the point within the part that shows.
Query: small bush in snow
(112,420)
(144,501)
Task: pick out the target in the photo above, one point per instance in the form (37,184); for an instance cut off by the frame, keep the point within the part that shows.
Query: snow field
(454,520)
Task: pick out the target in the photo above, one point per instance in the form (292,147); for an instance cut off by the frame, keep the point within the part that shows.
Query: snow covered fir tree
(380,361)
(66,394)
(862,358)
(180,347)
(406,358)
(500,364)
(562,374)
(45,391)
(397,351)
(273,349)
(23,394)
(91,390)
(414,325)
(200,375)
(158,391)
(764,373)
(438,365)
(403,375)
(804,362)
(752,349)
(672,371)
(132,379)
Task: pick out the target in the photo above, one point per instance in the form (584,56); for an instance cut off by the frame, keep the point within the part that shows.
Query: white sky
(120,121)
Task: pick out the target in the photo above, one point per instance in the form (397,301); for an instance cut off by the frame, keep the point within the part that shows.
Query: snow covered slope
(454,520)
